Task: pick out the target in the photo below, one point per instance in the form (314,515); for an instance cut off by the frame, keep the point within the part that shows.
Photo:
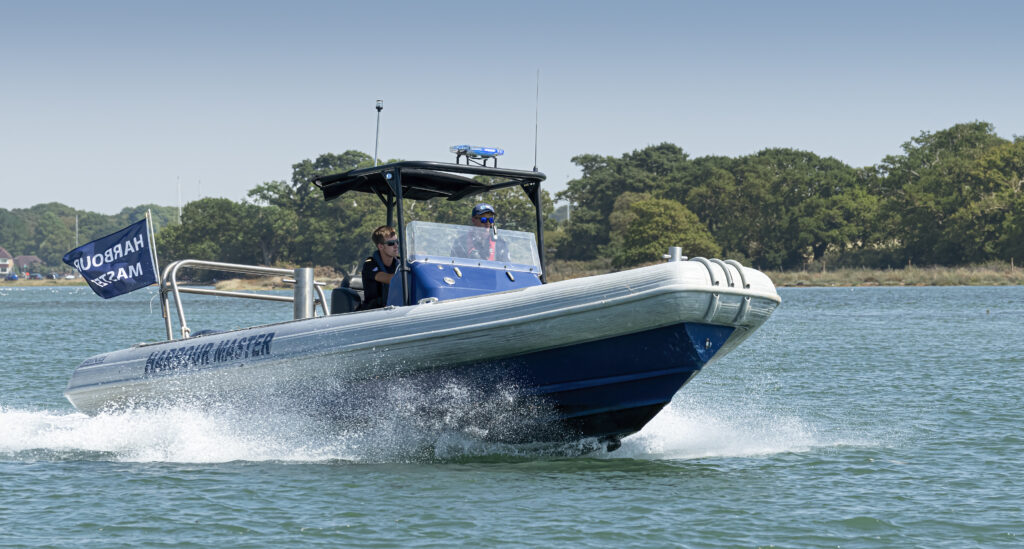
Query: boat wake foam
(398,424)
(162,435)
(695,427)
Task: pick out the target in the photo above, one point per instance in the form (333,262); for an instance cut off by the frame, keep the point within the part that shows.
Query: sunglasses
(391,243)
(486,219)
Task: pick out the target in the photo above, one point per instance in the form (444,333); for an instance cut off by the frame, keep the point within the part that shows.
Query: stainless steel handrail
(169,285)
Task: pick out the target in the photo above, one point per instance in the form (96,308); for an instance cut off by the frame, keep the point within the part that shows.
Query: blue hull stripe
(627,406)
(588,383)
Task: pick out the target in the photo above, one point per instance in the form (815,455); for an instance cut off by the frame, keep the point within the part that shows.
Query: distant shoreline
(47,282)
(969,275)
(988,274)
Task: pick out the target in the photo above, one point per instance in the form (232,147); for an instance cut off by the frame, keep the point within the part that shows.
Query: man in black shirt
(379,268)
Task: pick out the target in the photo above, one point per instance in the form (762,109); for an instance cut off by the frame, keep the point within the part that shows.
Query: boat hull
(606,388)
(603,354)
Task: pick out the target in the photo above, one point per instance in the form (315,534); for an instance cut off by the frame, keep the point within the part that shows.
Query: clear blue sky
(109,104)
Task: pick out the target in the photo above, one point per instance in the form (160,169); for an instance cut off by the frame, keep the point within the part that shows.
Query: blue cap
(482,208)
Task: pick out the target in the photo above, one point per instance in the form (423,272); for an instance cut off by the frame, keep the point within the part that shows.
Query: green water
(867,417)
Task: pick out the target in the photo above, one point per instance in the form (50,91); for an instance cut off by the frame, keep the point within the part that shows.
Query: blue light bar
(477,152)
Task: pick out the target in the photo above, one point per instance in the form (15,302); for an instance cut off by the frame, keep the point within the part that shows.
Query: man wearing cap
(482,242)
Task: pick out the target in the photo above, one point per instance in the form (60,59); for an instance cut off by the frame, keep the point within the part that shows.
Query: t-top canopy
(422,180)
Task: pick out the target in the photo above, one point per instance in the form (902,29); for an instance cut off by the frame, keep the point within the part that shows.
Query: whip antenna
(536,120)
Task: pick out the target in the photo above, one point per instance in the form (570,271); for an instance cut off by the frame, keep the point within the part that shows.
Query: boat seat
(344,300)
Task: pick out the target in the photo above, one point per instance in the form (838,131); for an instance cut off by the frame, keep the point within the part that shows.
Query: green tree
(212,229)
(778,208)
(655,224)
(162,216)
(55,237)
(335,233)
(928,185)
(990,223)
(593,195)
(15,234)
(619,221)
(272,229)
(48,230)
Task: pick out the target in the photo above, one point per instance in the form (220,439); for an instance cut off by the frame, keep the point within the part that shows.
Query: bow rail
(304,301)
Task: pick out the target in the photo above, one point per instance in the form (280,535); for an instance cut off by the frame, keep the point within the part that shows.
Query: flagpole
(152,243)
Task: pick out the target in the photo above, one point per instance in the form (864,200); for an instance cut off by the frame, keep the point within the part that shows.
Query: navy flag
(118,263)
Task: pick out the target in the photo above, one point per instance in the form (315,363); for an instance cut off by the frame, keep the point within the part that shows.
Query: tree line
(47,231)
(951,197)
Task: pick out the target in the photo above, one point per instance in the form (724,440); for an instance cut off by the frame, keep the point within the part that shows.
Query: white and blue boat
(603,354)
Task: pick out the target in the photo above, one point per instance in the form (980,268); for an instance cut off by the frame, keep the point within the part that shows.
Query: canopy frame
(425,180)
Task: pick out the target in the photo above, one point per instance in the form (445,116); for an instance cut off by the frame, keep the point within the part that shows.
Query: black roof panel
(424,180)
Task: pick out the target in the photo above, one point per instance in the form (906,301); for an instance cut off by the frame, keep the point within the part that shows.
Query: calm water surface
(866,417)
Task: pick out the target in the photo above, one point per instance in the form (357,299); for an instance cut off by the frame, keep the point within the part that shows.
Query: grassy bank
(989,274)
(564,270)
(330,277)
